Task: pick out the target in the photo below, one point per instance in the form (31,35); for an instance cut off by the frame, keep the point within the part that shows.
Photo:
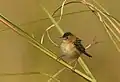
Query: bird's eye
(66,37)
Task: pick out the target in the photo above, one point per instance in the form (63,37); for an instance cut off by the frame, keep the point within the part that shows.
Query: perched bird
(71,46)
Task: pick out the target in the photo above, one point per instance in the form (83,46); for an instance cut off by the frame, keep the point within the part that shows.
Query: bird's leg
(74,67)
(60,57)
(75,63)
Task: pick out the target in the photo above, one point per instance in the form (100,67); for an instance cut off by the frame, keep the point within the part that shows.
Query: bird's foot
(73,69)
(60,57)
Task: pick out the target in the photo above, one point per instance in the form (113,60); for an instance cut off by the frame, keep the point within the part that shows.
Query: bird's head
(67,36)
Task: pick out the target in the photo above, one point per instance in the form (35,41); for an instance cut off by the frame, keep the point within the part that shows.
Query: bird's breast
(68,48)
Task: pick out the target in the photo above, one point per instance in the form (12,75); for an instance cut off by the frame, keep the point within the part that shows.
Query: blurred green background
(17,55)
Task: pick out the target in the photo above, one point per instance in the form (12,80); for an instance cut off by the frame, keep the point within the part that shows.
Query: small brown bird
(71,46)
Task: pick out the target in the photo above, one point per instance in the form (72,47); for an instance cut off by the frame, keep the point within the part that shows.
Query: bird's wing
(78,45)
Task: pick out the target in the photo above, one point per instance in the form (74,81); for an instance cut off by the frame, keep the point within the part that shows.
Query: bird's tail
(87,54)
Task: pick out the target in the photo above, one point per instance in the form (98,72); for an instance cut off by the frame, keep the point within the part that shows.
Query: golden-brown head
(68,37)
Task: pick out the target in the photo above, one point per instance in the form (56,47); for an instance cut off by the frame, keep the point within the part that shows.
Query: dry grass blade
(107,13)
(42,38)
(39,46)
(61,70)
(51,39)
(47,31)
(52,19)
(59,29)
(50,27)
(33,36)
(43,35)
(114,19)
(107,27)
(99,13)
(94,42)
(62,9)
(102,13)
(29,73)
(32,22)
(84,66)
(56,74)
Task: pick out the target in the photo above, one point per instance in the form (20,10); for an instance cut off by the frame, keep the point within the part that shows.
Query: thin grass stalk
(31,22)
(39,46)
(81,62)
(107,13)
(98,14)
(52,19)
(98,10)
(29,73)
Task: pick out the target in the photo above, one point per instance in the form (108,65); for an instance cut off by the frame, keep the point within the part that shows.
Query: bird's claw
(73,69)
(60,57)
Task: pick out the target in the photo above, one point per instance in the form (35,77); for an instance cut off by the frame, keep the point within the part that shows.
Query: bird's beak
(60,37)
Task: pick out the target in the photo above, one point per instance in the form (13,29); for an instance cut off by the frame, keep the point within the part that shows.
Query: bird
(71,46)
